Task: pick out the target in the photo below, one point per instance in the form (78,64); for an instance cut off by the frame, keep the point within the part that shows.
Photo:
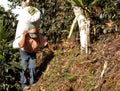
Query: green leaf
(73,2)
(73,24)
(76,2)
(93,2)
(16,65)
(81,3)
(2,57)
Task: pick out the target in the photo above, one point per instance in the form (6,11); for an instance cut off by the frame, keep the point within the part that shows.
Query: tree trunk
(84,29)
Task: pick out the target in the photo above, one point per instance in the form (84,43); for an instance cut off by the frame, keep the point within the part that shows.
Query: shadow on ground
(43,59)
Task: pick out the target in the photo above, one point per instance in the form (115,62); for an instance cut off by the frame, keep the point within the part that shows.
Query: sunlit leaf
(2,57)
(72,26)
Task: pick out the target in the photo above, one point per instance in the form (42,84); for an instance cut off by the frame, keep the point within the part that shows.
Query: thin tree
(82,9)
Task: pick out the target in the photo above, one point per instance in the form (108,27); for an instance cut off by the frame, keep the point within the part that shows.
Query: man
(28,40)
(29,45)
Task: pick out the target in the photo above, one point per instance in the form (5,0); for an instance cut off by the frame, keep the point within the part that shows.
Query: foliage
(7,25)
(9,57)
(86,5)
(108,7)
(99,13)
(9,66)
(104,12)
(109,10)
(54,19)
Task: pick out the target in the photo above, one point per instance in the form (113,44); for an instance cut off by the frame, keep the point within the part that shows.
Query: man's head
(25,3)
(32,31)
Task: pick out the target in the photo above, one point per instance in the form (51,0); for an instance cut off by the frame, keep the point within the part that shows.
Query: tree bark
(84,29)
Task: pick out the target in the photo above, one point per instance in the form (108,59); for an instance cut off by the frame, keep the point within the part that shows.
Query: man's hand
(50,48)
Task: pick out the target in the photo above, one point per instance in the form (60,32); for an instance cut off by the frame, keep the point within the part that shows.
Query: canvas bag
(25,19)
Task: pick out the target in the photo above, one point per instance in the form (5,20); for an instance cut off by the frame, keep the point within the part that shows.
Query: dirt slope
(67,70)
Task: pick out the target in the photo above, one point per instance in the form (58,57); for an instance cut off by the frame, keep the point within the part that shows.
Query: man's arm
(50,47)
(44,43)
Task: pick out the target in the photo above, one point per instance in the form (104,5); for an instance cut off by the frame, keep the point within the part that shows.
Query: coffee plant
(9,57)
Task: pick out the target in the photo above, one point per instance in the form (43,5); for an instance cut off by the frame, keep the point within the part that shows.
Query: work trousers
(27,75)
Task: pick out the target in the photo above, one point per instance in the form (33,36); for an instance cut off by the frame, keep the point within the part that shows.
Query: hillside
(67,70)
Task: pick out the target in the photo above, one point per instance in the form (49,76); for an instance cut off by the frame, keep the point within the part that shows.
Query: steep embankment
(70,71)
